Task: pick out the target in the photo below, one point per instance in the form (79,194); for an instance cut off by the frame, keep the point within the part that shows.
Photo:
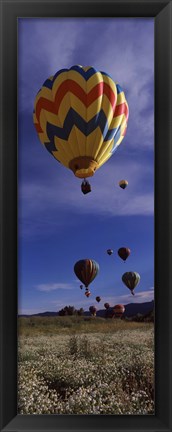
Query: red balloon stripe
(73,87)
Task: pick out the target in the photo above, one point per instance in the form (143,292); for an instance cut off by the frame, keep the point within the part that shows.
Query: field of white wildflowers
(93,373)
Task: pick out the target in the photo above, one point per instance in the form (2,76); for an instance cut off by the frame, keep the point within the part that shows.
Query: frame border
(162,13)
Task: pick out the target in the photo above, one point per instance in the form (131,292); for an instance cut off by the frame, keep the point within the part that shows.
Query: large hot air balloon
(123,184)
(86,270)
(93,310)
(131,279)
(109,251)
(124,253)
(98,299)
(106,305)
(119,310)
(81,115)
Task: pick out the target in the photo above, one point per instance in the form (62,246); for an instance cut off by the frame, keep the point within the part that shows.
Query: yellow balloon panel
(77,142)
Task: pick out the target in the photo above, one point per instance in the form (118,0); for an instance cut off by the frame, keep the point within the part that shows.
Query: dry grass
(74,324)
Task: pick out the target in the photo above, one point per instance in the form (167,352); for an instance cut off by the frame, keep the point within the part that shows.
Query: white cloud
(85,303)
(53,287)
(43,49)
(39,201)
(134,70)
(139,297)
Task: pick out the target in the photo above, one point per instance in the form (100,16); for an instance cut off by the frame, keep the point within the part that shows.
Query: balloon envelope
(87,293)
(131,280)
(86,270)
(110,313)
(80,115)
(98,299)
(124,253)
(119,310)
(109,251)
(93,310)
(123,184)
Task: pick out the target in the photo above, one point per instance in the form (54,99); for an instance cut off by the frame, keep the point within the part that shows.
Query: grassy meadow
(85,365)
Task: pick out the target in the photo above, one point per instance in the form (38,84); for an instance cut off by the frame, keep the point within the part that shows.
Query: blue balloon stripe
(85,74)
(98,120)
(117,135)
(119,88)
(49,82)
(74,119)
(106,74)
(113,133)
(59,73)
(115,141)
(50,146)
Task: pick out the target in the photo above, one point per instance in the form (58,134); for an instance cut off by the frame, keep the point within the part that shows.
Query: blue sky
(57,224)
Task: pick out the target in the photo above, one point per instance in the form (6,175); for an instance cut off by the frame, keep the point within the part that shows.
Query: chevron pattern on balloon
(78,112)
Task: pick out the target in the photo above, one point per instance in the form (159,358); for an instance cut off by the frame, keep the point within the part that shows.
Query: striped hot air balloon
(119,309)
(86,270)
(131,280)
(81,115)
(87,293)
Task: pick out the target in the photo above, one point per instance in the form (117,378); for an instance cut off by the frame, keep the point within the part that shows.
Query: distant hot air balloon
(110,313)
(109,251)
(81,115)
(87,293)
(86,270)
(123,184)
(106,305)
(81,286)
(93,310)
(119,310)
(98,299)
(131,279)
(124,253)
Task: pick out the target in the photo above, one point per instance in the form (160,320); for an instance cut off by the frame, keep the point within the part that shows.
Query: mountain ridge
(131,309)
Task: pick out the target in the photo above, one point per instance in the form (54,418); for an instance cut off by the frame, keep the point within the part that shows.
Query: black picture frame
(162,13)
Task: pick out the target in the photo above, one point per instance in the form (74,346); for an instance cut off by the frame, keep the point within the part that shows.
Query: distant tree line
(70,310)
